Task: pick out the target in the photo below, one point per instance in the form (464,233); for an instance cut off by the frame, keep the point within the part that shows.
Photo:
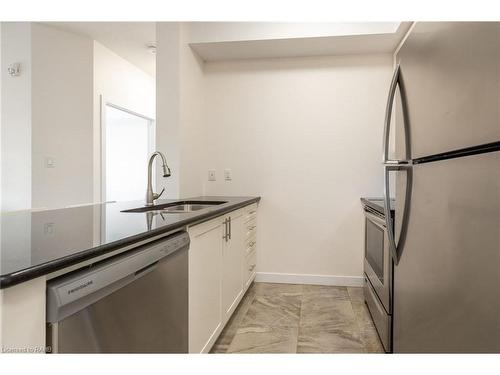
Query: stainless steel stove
(378,269)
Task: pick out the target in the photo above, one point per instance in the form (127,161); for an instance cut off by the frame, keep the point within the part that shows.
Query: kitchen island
(38,246)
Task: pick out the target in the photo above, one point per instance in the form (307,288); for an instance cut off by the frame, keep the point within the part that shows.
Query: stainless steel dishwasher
(132,303)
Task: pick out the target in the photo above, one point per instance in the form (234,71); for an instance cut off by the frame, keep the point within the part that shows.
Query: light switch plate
(211,175)
(50,162)
(227,175)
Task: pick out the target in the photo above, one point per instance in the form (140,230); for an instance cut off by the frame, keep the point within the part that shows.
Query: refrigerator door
(451,72)
(446,285)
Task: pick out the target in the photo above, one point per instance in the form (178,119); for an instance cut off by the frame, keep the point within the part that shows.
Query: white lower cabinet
(205,276)
(232,257)
(221,268)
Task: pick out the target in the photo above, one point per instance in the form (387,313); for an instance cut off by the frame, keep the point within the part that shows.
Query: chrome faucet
(150,196)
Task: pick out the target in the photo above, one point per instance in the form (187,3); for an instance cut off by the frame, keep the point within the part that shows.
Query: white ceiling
(239,40)
(127,39)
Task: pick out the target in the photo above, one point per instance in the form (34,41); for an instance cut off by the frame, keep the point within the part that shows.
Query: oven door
(378,262)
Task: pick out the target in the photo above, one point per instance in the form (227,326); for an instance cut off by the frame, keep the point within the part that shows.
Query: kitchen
(218,187)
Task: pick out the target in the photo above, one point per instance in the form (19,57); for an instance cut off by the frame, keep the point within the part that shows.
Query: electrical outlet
(211,175)
(49,229)
(227,175)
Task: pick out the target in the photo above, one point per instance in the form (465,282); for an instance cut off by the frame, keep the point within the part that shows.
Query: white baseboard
(291,278)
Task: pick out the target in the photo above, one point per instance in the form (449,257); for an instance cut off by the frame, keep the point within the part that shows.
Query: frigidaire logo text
(90,282)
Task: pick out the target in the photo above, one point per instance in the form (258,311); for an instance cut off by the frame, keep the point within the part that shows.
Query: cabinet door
(232,278)
(205,259)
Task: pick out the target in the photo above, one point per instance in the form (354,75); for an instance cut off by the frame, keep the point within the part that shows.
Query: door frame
(151,141)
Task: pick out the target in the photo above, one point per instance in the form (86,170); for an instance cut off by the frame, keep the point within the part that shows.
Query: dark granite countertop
(36,243)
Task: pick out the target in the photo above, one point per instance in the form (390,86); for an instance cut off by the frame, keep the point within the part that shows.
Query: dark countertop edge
(30,273)
(376,207)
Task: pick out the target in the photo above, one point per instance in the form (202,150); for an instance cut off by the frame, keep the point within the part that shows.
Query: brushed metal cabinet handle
(225,230)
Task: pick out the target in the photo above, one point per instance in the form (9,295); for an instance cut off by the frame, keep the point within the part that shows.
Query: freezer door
(451,73)
(446,285)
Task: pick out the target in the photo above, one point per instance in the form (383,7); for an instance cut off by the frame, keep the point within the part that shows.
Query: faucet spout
(150,195)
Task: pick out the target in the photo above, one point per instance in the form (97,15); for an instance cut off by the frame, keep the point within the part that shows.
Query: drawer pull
(251,212)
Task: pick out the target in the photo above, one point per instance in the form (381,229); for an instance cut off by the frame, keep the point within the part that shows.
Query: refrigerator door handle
(396,249)
(397,165)
(388,114)
(396,81)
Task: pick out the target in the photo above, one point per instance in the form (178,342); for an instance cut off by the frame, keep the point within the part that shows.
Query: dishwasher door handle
(143,271)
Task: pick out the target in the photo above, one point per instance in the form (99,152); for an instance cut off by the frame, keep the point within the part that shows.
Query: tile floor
(288,318)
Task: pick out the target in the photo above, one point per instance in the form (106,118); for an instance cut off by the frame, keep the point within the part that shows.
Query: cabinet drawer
(252,237)
(251,227)
(250,213)
(380,318)
(250,247)
(250,268)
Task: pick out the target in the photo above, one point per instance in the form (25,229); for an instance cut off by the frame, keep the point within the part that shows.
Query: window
(128,142)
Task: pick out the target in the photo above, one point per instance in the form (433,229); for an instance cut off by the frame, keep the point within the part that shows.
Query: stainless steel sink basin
(186,207)
(178,207)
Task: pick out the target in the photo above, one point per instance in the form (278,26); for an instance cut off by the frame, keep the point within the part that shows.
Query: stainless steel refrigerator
(444,109)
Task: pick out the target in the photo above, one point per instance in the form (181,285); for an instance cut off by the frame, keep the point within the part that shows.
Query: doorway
(127,143)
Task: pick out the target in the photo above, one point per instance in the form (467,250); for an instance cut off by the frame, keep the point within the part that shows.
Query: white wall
(305,134)
(16,117)
(121,83)
(168,97)
(61,117)
(46,113)
(52,110)
(180,111)
(193,120)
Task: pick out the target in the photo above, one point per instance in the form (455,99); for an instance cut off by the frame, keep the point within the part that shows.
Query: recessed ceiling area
(228,41)
(200,32)
(129,40)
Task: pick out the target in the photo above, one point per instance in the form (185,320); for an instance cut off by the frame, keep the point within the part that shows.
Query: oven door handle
(396,249)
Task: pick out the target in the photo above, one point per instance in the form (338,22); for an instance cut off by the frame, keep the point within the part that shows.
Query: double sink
(177,207)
